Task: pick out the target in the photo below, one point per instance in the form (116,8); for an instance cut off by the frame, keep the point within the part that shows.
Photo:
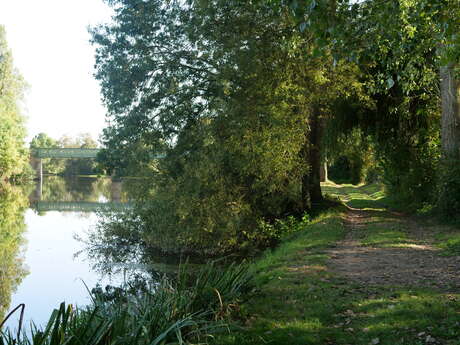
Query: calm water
(38,230)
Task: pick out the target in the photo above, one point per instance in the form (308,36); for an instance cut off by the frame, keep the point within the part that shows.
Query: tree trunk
(316,132)
(449,177)
(323,172)
(306,204)
(311,152)
(450,121)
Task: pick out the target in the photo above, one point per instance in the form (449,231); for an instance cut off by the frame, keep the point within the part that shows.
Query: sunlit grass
(365,197)
(299,301)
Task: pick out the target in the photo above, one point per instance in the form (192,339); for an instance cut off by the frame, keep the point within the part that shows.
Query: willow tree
(235,114)
(179,84)
(13,155)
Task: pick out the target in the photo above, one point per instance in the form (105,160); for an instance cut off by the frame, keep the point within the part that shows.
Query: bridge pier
(36,195)
(115,190)
(37,165)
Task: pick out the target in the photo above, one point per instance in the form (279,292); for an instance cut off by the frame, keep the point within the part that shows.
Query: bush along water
(185,310)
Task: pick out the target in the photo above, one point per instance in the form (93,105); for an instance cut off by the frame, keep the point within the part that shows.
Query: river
(39,230)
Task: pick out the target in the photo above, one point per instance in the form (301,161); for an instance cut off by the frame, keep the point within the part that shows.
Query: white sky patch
(50,44)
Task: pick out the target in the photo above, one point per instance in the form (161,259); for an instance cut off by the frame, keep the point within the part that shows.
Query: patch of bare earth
(417,264)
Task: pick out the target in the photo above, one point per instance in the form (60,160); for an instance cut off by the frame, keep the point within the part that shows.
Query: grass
(365,197)
(298,300)
(449,242)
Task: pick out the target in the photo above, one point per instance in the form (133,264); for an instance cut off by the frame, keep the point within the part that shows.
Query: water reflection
(38,229)
(13,203)
(78,194)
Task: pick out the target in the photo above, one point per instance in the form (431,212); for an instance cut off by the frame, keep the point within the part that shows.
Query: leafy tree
(13,154)
(42,140)
(236,115)
(51,165)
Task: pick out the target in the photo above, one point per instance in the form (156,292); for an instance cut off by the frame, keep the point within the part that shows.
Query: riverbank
(356,275)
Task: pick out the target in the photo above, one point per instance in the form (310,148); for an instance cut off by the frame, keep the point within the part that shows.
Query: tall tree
(13,154)
(236,114)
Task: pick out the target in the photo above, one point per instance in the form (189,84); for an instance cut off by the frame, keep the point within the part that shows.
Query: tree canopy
(244,102)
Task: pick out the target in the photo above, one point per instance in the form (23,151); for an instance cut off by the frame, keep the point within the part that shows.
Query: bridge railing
(64,153)
(82,206)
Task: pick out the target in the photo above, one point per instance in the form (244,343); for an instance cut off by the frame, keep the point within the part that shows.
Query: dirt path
(416,263)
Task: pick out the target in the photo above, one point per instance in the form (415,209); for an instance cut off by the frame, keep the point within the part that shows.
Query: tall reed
(172,311)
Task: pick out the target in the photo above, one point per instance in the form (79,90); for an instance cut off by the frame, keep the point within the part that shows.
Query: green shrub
(449,190)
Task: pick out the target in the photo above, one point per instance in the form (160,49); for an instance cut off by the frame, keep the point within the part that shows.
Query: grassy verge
(298,300)
(449,242)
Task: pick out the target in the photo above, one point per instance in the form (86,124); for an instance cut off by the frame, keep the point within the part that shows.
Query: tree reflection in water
(116,245)
(59,189)
(13,203)
(78,194)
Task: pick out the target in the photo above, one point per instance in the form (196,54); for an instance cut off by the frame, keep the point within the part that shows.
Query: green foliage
(401,46)
(449,191)
(351,157)
(399,62)
(50,165)
(238,116)
(13,154)
(78,166)
(42,140)
(272,233)
(451,245)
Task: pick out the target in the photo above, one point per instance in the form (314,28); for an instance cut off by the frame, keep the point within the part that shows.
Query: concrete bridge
(37,154)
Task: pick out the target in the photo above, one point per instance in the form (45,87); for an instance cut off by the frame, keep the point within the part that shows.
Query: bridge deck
(64,153)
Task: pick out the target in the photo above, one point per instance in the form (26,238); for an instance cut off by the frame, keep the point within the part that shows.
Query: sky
(50,45)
